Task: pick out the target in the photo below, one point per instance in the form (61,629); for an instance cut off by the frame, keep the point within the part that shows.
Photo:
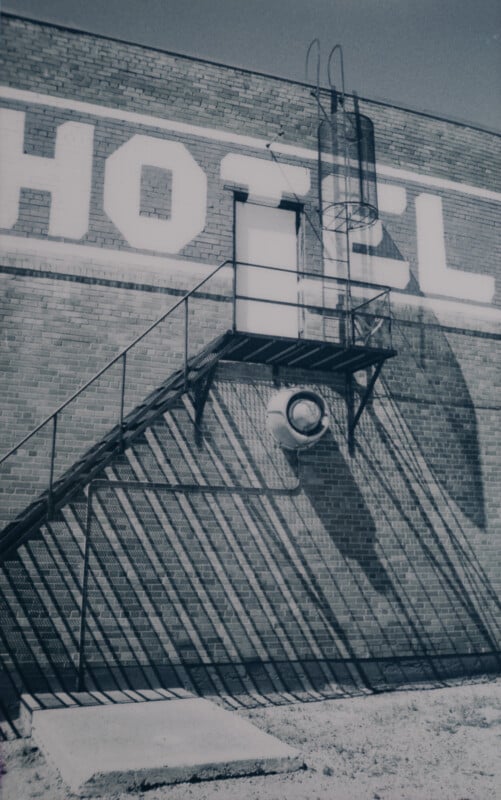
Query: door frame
(240,197)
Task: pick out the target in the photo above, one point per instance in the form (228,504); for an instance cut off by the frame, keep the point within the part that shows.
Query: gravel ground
(436,744)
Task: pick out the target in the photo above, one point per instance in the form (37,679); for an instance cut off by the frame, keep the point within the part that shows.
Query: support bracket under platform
(354,415)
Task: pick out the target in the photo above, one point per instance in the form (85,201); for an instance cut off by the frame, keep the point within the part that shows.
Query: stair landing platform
(310,354)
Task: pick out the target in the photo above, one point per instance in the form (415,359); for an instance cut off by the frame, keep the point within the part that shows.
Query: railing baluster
(52,459)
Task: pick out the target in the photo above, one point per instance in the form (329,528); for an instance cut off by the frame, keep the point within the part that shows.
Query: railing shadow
(243,584)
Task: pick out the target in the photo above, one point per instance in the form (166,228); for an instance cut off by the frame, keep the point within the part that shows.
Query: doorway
(267,300)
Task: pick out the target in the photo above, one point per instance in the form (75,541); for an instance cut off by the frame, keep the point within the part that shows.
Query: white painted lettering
(379,269)
(67,176)
(365,266)
(391,199)
(122,194)
(435,277)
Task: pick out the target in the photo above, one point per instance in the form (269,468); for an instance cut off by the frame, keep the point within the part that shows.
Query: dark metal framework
(363,329)
(347,171)
(347,199)
(346,154)
(355,348)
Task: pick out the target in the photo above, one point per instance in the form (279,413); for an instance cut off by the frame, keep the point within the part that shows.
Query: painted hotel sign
(94,163)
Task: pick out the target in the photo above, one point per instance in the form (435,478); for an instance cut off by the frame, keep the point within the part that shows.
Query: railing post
(122,398)
(234,321)
(186,343)
(50,504)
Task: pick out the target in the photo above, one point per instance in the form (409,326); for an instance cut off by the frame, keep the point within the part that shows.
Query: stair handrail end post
(390,320)
(80,676)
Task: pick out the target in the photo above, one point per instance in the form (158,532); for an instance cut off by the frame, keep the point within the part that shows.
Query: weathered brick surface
(386,563)
(137,79)
(372,562)
(58,342)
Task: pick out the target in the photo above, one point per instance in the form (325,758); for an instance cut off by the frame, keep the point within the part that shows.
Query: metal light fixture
(297,418)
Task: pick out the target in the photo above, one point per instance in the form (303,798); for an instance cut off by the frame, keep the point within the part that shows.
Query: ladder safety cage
(347,201)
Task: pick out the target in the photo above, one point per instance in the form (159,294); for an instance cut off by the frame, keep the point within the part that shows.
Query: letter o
(122,194)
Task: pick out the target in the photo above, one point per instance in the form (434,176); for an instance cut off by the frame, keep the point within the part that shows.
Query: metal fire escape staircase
(344,326)
(194,375)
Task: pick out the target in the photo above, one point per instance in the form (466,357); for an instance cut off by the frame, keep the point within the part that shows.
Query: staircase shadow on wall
(252,598)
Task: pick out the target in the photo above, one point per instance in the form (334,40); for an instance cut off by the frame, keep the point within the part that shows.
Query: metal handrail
(184,301)
(310,306)
(351,313)
(121,354)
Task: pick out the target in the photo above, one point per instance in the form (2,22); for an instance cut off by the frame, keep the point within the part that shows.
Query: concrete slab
(52,700)
(140,745)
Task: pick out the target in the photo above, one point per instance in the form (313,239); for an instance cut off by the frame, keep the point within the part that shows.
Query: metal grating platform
(302,353)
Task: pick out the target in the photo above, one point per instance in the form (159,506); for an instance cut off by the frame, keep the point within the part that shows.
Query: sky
(440,56)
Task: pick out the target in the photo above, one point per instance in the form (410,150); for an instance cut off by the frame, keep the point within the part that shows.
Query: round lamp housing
(297,418)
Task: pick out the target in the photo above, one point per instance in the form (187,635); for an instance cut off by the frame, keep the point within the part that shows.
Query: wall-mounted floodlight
(297,418)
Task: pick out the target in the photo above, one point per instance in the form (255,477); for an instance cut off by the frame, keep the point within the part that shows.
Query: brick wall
(384,563)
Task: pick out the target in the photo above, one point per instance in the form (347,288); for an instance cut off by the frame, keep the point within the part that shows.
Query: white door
(266,237)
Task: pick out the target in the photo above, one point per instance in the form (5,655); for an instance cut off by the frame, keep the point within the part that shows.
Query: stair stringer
(81,473)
